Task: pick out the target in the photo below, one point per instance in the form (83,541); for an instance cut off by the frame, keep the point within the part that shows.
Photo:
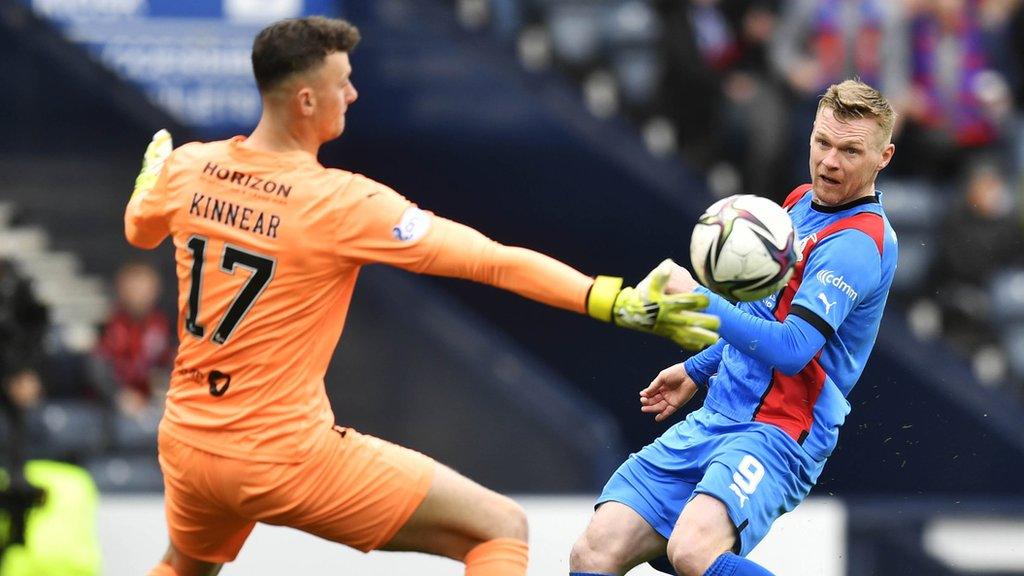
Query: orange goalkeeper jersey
(268,247)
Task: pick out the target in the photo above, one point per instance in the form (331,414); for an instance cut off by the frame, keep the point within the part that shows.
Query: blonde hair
(853,99)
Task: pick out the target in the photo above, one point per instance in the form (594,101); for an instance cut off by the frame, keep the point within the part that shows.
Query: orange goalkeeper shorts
(354,489)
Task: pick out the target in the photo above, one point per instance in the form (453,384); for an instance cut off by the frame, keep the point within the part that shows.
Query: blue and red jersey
(791,359)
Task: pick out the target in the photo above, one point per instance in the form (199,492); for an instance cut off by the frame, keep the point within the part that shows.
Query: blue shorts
(755,469)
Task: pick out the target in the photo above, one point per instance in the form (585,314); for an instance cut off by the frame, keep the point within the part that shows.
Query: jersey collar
(873,199)
(281,158)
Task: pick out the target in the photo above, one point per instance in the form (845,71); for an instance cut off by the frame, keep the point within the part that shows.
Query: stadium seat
(637,71)
(136,433)
(577,31)
(632,23)
(912,204)
(631,30)
(126,473)
(1007,292)
(507,16)
(72,427)
(1013,344)
(917,251)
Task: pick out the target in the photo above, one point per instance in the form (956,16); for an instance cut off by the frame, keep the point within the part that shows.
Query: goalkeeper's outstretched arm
(462,252)
(466,253)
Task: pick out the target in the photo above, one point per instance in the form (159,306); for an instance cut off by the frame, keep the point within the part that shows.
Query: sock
(162,569)
(729,564)
(498,557)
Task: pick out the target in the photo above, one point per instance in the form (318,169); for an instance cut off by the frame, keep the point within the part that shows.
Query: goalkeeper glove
(648,308)
(153,161)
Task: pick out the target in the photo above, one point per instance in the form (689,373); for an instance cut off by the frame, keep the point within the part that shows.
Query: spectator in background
(23,324)
(695,38)
(822,42)
(954,97)
(754,104)
(1014,41)
(717,89)
(996,19)
(1005,20)
(135,352)
(980,237)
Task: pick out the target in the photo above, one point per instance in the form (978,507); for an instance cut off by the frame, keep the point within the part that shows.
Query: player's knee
(508,520)
(596,550)
(580,554)
(693,553)
(585,556)
(688,558)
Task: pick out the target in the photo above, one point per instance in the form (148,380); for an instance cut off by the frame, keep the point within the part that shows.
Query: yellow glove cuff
(601,298)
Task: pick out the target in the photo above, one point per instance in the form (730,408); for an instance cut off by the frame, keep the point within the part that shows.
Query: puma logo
(743,497)
(824,300)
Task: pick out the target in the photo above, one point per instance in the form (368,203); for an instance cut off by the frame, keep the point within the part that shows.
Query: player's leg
(704,542)
(616,540)
(638,507)
(176,563)
(464,521)
(204,532)
(753,477)
(371,494)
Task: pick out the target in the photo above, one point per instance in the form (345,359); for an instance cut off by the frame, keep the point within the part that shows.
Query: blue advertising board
(190,57)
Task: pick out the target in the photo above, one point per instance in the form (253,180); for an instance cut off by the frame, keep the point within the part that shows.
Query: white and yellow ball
(743,248)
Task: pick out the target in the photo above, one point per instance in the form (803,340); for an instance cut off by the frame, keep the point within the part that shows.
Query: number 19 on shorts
(746,478)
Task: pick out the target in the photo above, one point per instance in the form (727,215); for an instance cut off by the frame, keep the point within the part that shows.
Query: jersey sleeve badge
(413,225)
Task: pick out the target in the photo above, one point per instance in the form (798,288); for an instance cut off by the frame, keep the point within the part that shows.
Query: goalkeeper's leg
(464,521)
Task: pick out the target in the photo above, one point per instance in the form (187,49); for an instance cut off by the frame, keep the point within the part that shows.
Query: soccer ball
(743,248)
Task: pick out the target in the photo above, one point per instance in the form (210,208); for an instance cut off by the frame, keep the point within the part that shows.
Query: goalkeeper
(268,247)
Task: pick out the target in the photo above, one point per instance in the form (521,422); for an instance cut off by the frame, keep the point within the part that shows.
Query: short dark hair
(291,46)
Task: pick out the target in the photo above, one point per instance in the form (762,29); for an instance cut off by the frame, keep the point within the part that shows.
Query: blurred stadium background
(593,130)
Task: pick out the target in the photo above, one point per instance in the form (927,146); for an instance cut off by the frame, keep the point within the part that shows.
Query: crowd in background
(23,324)
(736,82)
(74,406)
